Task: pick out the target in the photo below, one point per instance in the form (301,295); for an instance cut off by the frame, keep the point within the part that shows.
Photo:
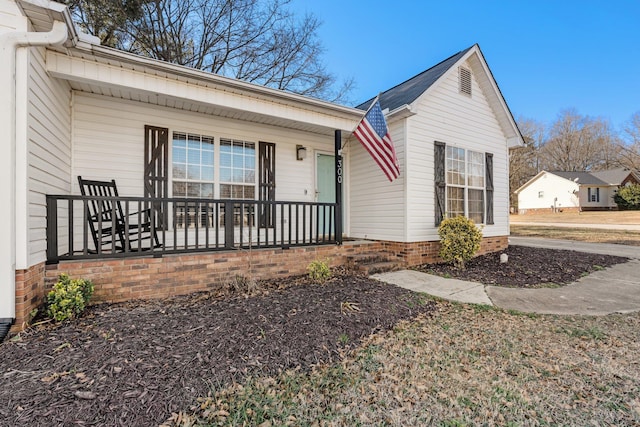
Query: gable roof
(614,176)
(409,90)
(606,177)
(580,178)
(406,93)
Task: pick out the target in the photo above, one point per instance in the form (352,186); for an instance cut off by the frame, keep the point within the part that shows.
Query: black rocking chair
(111,229)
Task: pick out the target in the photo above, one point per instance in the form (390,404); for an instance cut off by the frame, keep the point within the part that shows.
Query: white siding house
(427,108)
(76,108)
(572,191)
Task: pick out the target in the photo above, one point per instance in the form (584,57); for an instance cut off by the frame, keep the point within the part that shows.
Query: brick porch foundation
(118,280)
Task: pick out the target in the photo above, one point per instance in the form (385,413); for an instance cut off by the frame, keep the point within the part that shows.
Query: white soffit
(173,86)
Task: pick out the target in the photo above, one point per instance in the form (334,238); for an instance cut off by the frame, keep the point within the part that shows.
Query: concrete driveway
(613,290)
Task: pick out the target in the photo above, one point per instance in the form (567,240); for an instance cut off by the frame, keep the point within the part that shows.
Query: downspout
(10,42)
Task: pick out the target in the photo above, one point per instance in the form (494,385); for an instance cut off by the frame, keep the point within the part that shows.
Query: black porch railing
(85,227)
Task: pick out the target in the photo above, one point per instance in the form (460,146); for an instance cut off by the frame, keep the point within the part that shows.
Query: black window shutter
(156,167)
(489,186)
(440,180)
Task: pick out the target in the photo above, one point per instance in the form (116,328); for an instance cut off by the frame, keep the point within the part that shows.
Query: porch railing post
(228,225)
(339,179)
(52,230)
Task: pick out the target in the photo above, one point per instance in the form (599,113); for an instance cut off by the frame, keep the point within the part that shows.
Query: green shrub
(68,298)
(319,271)
(628,197)
(459,240)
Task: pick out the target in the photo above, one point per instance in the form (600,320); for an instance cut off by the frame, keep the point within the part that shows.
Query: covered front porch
(107,226)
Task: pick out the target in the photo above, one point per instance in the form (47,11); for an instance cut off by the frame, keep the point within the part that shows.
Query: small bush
(68,298)
(628,197)
(319,271)
(459,240)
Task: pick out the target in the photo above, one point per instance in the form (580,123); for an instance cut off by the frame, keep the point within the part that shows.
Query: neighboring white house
(75,108)
(572,191)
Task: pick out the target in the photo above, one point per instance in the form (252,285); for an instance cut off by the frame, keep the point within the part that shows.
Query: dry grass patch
(463,365)
(596,217)
(593,235)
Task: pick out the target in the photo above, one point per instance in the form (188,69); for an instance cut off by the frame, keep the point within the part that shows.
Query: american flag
(373,135)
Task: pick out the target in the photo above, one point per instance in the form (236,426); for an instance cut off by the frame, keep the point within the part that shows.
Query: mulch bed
(527,267)
(136,363)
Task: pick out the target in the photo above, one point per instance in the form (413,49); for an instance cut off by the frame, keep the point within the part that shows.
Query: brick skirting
(30,290)
(418,253)
(125,279)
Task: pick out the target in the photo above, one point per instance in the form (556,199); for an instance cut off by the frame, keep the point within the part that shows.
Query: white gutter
(13,109)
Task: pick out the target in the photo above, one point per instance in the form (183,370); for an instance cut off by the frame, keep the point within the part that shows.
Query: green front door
(325,191)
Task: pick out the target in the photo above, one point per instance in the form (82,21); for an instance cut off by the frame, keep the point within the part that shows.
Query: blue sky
(546,56)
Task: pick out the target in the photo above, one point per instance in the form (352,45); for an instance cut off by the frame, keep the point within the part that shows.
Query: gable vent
(464,76)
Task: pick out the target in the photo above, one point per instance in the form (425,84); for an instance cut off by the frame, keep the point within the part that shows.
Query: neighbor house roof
(409,90)
(606,177)
(613,176)
(581,178)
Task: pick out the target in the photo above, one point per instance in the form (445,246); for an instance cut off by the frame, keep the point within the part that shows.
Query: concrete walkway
(613,290)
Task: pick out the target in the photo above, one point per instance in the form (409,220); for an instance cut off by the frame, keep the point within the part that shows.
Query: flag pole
(365,113)
(339,179)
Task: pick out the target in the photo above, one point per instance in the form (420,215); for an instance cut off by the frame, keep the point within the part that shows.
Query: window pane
(455,166)
(225,159)
(207,173)
(179,189)
(194,156)
(225,174)
(225,146)
(193,172)
(207,158)
(225,191)
(179,140)
(179,155)
(206,190)
(179,171)
(250,161)
(455,201)
(476,206)
(249,192)
(193,189)
(475,168)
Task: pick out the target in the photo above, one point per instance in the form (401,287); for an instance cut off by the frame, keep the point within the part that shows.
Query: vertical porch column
(339,180)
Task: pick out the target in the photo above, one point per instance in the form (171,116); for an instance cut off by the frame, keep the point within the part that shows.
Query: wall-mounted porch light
(301,152)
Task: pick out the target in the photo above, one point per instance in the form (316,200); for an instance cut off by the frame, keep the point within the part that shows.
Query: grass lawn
(604,217)
(594,235)
(464,365)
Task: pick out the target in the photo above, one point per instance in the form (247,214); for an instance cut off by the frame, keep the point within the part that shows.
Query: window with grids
(192,157)
(237,169)
(465,180)
(192,165)
(238,176)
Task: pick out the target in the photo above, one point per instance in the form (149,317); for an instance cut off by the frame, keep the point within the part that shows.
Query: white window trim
(466,187)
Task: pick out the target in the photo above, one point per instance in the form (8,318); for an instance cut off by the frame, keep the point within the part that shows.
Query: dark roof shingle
(408,91)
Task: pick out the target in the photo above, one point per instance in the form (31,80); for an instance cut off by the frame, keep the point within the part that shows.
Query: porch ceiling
(117,74)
